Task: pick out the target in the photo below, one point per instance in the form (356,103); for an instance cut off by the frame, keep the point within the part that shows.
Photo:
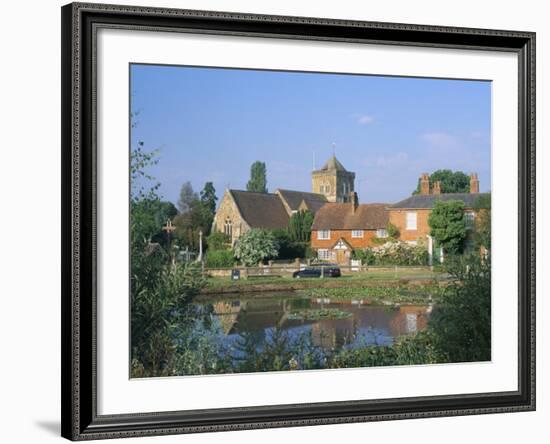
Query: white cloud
(364,119)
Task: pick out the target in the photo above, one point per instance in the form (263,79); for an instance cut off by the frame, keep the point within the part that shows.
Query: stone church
(240,211)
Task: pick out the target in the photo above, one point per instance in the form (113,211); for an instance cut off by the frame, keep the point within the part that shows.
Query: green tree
(256,245)
(258,179)
(299,226)
(218,241)
(208,197)
(482,234)
(154,213)
(187,197)
(392,231)
(160,294)
(189,224)
(451,181)
(448,225)
(461,321)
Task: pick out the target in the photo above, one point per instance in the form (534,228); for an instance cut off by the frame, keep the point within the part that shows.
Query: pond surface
(330,324)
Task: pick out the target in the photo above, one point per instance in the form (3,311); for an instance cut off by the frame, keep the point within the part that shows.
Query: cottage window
(357,233)
(381,233)
(323,254)
(228,228)
(470,219)
(411,221)
(323,234)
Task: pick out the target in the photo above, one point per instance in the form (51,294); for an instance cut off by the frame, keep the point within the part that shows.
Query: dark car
(328,270)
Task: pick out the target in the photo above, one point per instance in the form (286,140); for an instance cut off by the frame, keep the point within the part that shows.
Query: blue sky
(211,124)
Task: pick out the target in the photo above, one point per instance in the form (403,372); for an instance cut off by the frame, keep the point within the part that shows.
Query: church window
(228,227)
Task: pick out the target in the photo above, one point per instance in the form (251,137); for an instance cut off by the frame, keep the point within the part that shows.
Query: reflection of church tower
(333,181)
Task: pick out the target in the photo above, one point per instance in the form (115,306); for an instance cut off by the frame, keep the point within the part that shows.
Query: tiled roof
(294,198)
(339,216)
(333,164)
(427,201)
(261,210)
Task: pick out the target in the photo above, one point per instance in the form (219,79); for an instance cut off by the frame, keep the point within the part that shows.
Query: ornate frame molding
(79,396)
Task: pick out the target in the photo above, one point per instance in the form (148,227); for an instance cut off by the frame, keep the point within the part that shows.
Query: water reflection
(258,315)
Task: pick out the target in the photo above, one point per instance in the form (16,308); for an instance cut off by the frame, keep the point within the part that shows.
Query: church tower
(333,181)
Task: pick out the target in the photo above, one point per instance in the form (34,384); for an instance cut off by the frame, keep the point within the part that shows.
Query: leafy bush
(394,253)
(256,245)
(219,259)
(218,241)
(461,321)
(448,225)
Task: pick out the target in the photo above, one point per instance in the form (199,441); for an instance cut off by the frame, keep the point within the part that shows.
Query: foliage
(451,181)
(258,180)
(299,226)
(288,249)
(482,235)
(160,315)
(393,231)
(219,259)
(208,197)
(187,197)
(256,245)
(188,225)
(277,352)
(160,294)
(448,225)
(380,295)
(153,214)
(393,253)
(461,321)
(218,241)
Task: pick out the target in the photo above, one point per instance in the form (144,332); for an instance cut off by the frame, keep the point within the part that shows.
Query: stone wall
(228,211)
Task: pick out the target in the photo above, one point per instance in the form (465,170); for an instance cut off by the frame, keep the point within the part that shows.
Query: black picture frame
(80,420)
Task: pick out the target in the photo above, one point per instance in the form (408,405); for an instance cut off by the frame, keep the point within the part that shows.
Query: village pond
(329,323)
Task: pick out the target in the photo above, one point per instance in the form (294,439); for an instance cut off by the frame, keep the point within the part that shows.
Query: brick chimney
(474,183)
(354,200)
(437,187)
(424,183)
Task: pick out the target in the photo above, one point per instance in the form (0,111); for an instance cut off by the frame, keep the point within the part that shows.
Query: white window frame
(381,233)
(358,234)
(408,223)
(324,254)
(323,234)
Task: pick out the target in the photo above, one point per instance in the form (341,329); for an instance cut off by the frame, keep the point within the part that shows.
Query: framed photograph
(281,221)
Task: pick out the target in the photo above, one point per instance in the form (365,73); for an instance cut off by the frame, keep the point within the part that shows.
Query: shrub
(218,241)
(256,245)
(219,259)
(394,253)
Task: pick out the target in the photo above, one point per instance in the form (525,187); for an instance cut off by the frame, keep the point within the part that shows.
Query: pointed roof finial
(333,149)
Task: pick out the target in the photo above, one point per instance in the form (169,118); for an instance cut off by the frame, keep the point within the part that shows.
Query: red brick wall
(355,242)
(399,219)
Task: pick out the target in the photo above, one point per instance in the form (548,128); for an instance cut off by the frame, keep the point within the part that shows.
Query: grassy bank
(412,279)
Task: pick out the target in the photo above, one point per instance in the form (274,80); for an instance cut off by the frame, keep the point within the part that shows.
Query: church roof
(333,164)
(294,199)
(339,216)
(427,201)
(261,210)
